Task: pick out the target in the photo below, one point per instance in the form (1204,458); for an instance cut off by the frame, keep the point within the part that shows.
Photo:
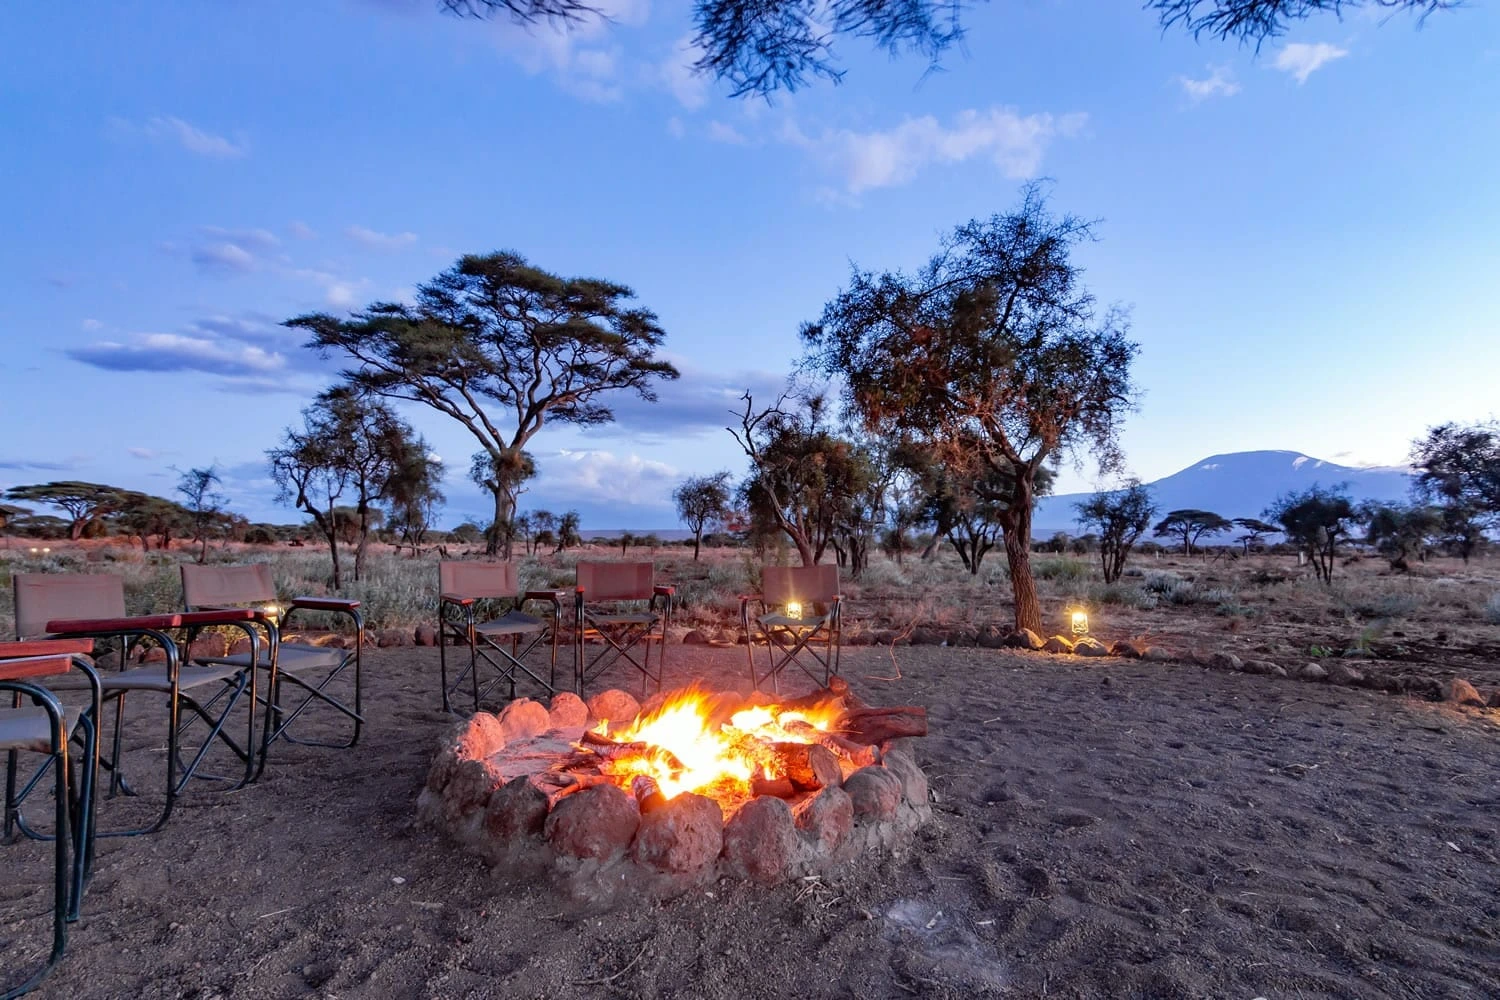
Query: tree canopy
(1191,526)
(993,353)
(702,501)
(1120,517)
(1315,520)
(761,46)
(83,502)
(502,347)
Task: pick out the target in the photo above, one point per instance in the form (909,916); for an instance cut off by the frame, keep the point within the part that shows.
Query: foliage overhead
(758,47)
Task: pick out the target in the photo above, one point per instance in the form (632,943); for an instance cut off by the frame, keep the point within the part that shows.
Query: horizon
(166,228)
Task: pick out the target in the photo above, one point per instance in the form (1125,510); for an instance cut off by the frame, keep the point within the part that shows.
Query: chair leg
(442,641)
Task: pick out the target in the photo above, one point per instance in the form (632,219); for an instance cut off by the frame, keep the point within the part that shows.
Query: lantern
(1080,623)
(794,610)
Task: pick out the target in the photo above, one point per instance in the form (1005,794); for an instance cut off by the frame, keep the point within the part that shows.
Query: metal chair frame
(129,633)
(620,631)
(230,587)
(467,591)
(787,638)
(74,785)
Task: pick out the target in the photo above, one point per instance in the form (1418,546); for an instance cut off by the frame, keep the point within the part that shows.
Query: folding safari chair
(74,605)
(799,619)
(608,607)
(462,586)
(46,727)
(311,669)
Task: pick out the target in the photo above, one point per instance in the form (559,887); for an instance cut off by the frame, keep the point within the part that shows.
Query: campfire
(693,783)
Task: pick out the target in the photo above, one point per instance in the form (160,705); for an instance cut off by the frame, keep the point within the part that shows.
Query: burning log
(558,785)
(602,747)
(858,754)
(762,784)
(809,766)
(878,725)
(647,793)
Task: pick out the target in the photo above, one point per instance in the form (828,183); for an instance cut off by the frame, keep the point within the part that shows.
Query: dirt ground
(1101,828)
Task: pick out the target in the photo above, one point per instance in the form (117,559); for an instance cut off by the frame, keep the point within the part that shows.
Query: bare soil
(1102,828)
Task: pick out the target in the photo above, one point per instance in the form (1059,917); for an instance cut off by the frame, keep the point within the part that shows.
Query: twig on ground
(904,633)
(609,979)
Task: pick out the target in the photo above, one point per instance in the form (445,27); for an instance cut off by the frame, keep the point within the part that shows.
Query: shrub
(1060,570)
(1492,609)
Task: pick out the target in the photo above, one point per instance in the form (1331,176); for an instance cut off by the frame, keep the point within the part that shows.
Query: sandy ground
(1101,829)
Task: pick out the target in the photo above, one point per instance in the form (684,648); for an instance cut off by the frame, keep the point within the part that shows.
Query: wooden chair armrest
(219,616)
(113,626)
(46,647)
(35,666)
(461,601)
(325,603)
(663,590)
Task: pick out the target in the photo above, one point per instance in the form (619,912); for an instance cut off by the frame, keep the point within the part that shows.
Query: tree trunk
(364,539)
(1016,526)
(697,543)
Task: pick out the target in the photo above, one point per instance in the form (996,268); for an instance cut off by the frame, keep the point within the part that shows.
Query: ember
(670,789)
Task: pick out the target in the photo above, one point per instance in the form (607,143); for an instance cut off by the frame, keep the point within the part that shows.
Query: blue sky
(1306,235)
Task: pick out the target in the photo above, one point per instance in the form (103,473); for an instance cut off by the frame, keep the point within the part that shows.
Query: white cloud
(230,251)
(92,324)
(1220,82)
(720,132)
(576,53)
(675,128)
(1302,60)
(169,352)
(379,241)
(686,84)
(301,230)
(145,454)
(186,135)
(603,475)
(1014,143)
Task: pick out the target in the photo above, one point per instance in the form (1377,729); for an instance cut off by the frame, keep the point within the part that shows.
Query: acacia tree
(702,501)
(802,476)
(1315,520)
(1121,517)
(1400,531)
(204,506)
(83,502)
(993,353)
(1254,530)
(761,46)
(1191,526)
(502,347)
(567,531)
(413,494)
(1458,470)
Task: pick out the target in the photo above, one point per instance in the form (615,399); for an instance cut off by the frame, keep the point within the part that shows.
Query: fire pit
(694,786)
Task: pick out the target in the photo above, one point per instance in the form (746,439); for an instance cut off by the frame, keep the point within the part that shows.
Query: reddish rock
(760,840)
(1343,674)
(1224,661)
(1262,667)
(1024,638)
(424,635)
(524,718)
(1133,649)
(1156,654)
(1494,701)
(1057,644)
(1461,692)
(653,704)
(207,645)
(695,637)
(613,705)
(1313,672)
(913,780)
(825,819)
(469,788)
(241,646)
(597,822)
(478,736)
(568,711)
(924,636)
(875,791)
(1089,646)
(516,809)
(683,835)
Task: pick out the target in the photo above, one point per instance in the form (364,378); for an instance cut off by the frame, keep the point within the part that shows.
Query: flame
(685,750)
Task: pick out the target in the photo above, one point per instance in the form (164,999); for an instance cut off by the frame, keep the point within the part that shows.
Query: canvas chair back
(478,580)
(803,584)
(617,581)
(44,597)
(227,586)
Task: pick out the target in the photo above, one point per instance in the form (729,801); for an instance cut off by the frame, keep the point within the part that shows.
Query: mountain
(1241,484)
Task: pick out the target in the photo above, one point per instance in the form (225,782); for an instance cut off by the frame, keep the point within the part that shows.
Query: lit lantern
(794,610)
(1080,623)
(272,611)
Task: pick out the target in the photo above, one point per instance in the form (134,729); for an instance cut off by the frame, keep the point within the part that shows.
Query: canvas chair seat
(153,677)
(511,623)
(622,618)
(290,657)
(30,728)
